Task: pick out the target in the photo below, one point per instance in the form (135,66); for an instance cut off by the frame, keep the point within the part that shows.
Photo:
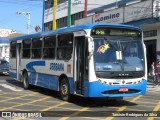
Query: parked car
(4,67)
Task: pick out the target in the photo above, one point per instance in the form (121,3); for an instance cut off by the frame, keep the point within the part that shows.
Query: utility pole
(69,14)
(28,24)
(43,14)
(54,26)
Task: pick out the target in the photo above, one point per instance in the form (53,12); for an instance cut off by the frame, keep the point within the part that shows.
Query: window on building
(61,1)
(13,49)
(62,22)
(77,16)
(48,4)
(49,47)
(48,26)
(26,48)
(36,48)
(65,47)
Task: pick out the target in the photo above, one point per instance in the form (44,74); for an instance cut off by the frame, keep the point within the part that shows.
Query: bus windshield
(118,56)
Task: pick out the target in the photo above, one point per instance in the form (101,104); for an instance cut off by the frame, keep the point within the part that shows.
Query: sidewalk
(150,85)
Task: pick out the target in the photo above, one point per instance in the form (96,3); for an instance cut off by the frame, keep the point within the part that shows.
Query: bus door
(80,63)
(18,61)
(151,52)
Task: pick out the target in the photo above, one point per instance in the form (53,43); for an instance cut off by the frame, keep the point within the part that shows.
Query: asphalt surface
(37,102)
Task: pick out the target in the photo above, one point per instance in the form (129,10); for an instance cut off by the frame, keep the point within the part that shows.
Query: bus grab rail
(90,45)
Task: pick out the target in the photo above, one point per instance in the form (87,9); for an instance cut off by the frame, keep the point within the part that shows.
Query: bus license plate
(123,90)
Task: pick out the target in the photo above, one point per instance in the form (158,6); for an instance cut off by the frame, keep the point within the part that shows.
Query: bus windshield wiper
(115,47)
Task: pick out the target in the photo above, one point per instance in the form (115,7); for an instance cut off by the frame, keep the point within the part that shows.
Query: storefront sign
(138,11)
(156,8)
(114,16)
(150,33)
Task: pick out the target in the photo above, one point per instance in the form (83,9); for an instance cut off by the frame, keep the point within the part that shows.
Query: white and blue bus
(93,60)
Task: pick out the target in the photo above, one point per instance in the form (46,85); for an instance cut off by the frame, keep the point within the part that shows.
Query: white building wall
(76,6)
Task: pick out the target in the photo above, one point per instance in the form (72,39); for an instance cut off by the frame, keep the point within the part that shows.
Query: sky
(18,22)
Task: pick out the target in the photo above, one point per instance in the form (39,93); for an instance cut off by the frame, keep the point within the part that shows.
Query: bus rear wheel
(65,90)
(26,81)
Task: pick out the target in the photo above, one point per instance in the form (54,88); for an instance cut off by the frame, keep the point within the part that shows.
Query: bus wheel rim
(64,89)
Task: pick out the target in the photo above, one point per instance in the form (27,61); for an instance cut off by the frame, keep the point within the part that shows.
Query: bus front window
(118,56)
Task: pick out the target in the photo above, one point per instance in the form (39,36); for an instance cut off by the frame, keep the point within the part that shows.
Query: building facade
(142,13)
(77,11)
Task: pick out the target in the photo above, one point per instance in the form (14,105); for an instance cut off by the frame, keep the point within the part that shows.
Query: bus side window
(59,55)
(65,46)
(36,48)
(26,48)
(49,47)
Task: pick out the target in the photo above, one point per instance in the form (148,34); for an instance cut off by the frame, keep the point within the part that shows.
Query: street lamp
(26,13)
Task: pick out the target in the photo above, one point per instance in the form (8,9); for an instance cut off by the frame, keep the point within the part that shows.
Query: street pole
(69,14)
(85,8)
(43,15)
(29,19)
(28,23)
(54,26)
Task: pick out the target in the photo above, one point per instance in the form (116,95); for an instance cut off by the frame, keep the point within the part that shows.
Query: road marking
(18,97)
(75,113)
(22,104)
(156,108)
(124,107)
(10,87)
(60,104)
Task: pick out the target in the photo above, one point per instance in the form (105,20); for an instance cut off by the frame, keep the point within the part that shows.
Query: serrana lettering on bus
(57,66)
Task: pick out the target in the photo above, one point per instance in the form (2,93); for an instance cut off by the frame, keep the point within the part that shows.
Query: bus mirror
(90,44)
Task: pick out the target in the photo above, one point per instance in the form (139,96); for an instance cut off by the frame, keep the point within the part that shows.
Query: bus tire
(65,90)
(26,81)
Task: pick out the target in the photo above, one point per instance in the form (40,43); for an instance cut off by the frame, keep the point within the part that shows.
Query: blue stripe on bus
(48,81)
(30,65)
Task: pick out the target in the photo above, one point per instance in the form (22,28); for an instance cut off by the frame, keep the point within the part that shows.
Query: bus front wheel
(25,81)
(65,90)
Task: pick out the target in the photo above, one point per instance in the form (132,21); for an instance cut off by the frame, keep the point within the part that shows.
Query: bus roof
(71,29)
(4,40)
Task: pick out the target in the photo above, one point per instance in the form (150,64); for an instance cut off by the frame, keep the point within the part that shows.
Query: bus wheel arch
(25,79)
(64,88)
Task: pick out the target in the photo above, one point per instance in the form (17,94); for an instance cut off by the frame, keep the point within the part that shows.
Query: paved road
(14,98)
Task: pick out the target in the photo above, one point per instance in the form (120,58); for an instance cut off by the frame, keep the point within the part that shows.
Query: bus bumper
(97,89)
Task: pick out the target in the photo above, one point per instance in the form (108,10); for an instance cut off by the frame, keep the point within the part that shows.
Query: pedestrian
(153,75)
(157,72)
